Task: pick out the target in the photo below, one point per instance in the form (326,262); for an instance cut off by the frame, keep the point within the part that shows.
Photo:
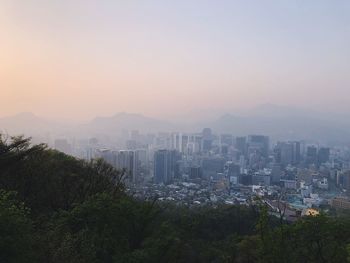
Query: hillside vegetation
(55,208)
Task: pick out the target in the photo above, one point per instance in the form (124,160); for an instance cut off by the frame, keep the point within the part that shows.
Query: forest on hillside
(55,208)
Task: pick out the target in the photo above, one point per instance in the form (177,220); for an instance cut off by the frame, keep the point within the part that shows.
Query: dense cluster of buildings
(206,168)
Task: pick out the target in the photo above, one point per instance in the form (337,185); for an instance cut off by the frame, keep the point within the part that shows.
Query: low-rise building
(340,203)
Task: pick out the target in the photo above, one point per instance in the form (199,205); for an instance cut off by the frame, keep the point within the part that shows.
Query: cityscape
(187,131)
(206,168)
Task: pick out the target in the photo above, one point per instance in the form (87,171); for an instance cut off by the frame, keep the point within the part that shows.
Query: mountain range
(279,122)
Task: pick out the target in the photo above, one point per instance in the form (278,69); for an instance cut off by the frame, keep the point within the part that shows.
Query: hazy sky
(82,58)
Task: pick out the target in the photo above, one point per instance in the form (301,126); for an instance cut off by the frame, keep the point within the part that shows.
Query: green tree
(16,230)
(311,239)
(102,229)
(47,180)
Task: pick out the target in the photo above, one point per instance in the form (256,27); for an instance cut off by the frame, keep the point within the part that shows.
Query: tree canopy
(55,208)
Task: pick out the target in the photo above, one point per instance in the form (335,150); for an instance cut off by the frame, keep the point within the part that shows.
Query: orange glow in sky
(79,59)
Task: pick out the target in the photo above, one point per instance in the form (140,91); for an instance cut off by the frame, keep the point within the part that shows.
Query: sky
(79,59)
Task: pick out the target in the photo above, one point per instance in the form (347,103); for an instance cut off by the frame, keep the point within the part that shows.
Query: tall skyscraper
(241,145)
(311,155)
(287,153)
(195,172)
(296,152)
(165,162)
(184,143)
(198,138)
(259,143)
(323,155)
(207,139)
(62,145)
(131,144)
(276,174)
(128,161)
(107,155)
(226,139)
(212,165)
(346,180)
(176,139)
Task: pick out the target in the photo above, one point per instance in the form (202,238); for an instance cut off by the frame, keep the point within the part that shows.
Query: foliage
(78,212)
(311,239)
(16,231)
(47,180)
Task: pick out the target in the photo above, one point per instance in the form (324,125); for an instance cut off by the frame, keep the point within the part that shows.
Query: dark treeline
(54,208)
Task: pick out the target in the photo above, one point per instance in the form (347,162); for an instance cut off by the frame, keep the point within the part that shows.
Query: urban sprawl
(293,177)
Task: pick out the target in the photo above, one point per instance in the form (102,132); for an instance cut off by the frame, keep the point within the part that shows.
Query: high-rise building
(184,143)
(142,155)
(261,179)
(62,145)
(233,172)
(128,161)
(165,165)
(241,145)
(195,172)
(276,174)
(242,162)
(259,143)
(346,180)
(198,142)
(323,155)
(89,154)
(163,140)
(296,152)
(226,139)
(212,165)
(224,149)
(131,144)
(287,153)
(180,142)
(232,169)
(176,141)
(207,139)
(107,155)
(311,155)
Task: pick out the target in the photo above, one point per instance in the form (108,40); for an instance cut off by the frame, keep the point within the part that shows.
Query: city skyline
(164,59)
(174,131)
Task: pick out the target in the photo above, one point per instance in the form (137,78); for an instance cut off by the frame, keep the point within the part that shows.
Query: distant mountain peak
(129,121)
(23,116)
(120,116)
(128,114)
(25,113)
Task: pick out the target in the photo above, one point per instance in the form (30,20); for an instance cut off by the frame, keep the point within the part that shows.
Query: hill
(127,121)
(54,208)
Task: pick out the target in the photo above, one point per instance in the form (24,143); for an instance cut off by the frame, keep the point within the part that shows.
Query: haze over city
(164,59)
(174,131)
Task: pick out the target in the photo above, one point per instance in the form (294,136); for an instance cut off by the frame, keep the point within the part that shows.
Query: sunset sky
(80,58)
